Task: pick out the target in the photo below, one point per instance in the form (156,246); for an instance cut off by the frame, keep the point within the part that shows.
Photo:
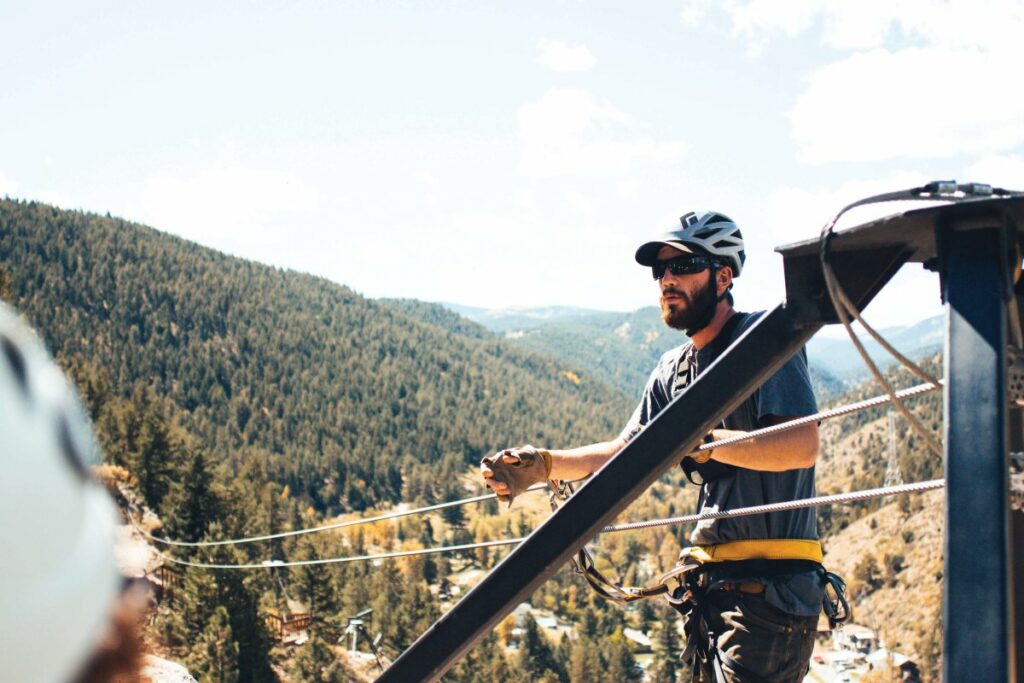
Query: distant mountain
(839,356)
(622,348)
(517,318)
(618,348)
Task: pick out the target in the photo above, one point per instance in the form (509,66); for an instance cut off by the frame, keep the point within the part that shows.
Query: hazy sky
(505,154)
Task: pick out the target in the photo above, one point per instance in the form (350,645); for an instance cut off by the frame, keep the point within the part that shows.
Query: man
(753,597)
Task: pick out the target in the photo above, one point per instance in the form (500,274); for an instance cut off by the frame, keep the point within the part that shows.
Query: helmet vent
(17,362)
(69,450)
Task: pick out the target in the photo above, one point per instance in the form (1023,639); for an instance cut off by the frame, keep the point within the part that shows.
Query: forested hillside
(340,396)
(236,399)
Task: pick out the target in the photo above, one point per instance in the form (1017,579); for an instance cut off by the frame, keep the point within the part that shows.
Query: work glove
(519,469)
(705,455)
(700,468)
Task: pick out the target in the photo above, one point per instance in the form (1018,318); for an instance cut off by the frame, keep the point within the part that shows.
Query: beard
(694,312)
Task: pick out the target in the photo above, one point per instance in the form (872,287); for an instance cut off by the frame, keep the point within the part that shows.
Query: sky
(506,154)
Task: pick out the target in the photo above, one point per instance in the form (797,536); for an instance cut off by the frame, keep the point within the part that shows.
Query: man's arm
(567,465)
(578,463)
(790,450)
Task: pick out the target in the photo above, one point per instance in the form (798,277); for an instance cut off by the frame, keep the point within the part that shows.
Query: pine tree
(6,287)
(239,593)
(535,656)
(317,662)
(621,665)
(313,587)
(666,647)
(190,504)
(215,655)
(155,457)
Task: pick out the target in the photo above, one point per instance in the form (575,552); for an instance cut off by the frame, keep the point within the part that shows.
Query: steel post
(977,556)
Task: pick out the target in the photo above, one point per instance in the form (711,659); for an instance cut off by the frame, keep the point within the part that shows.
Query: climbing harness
(583,563)
(697,580)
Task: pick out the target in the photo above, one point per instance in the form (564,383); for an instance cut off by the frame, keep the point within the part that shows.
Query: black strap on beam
(976,603)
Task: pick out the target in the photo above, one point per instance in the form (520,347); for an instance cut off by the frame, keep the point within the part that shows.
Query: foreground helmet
(58,580)
(710,233)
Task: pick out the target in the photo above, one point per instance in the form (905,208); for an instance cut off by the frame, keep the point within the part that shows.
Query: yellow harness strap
(757,549)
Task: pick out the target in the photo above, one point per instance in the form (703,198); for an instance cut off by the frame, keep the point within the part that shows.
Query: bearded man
(755,585)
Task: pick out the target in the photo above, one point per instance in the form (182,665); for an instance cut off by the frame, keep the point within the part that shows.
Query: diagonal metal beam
(745,365)
(720,389)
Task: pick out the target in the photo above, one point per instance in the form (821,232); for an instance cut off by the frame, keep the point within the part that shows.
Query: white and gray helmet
(709,233)
(58,578)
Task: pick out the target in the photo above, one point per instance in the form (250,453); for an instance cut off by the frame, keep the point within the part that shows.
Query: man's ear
(723,279)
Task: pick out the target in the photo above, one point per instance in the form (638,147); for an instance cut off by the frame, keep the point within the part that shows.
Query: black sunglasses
(682,265)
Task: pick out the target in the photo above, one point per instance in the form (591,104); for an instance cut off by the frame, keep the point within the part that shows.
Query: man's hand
(513,470)
(705,455)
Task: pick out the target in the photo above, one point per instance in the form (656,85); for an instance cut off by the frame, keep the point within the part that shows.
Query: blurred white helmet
(58,580)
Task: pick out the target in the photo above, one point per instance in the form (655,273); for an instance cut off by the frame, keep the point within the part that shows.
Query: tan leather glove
(705,455)
(524,467)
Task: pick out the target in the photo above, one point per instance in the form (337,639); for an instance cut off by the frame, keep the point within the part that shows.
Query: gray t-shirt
(785,394)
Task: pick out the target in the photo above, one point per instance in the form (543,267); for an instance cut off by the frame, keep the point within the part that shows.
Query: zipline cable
(856,496)
(839,411)
(326,527)
(834,499)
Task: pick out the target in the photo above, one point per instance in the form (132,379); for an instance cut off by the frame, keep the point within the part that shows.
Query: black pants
(750,641)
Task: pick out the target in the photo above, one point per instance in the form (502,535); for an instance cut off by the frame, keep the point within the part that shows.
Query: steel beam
(757,354)
(1015,333)
(976,601)
(744,366)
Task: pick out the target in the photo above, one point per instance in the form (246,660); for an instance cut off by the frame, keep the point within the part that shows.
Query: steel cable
(918,487)
(327,527)
(852,497)
(839,411)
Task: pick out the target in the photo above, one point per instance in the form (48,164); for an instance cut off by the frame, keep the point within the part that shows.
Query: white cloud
(8,186)
(926,78)
(228,208)
(1000,171)
(565,58)
(915,102)
(569,132)
(695,12)
(12,188)
(874,23)
(796,214)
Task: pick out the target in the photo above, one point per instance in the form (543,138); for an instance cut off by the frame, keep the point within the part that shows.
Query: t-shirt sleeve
(787,393)
(652,402)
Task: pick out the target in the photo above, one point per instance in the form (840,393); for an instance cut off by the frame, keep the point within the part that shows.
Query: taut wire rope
(328,527)
(838,411)
(839,498)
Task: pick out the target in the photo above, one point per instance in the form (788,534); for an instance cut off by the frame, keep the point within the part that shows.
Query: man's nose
(669,279)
